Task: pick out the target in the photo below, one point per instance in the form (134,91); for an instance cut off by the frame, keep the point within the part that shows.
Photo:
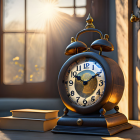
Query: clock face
(85,82)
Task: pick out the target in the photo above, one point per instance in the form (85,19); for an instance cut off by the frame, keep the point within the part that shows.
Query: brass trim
(133,18)
(89,30)
(101,44)
(106,36)
(72,39)
(89,21)
(79,122)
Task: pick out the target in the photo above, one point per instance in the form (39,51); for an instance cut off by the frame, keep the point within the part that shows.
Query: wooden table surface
(132,134)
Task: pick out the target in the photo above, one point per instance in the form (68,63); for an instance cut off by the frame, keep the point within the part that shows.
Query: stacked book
(30,120)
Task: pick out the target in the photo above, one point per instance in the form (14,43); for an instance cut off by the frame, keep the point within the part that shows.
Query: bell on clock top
(77,46)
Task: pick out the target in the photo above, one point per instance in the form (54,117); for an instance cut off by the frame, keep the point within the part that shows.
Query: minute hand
(85,82)
(93,76)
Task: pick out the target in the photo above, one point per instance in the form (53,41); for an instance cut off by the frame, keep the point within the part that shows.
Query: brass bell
(103,44)
(75,47)
(100,44)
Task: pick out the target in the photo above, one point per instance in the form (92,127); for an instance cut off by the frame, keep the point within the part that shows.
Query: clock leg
(102,111)
(65,111)
(116,108)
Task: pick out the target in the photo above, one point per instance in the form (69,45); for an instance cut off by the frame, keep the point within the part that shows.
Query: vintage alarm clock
(90,84)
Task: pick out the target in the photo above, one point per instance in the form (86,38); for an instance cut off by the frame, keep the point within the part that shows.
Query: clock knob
(106,36)
(73,39)
(102,111)
(89,21)
(116,108)
(79,122)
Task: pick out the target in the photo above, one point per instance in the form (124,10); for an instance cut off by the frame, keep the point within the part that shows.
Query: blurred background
(34,35)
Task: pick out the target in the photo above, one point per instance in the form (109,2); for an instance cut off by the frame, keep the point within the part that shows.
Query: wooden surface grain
(132,134)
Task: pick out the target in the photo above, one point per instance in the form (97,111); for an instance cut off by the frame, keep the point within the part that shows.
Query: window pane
(39,12)
(34,18)
(13,58)
(80,12)
(36,57)
(13,15)
(69,11)
(65,3)
(80,3)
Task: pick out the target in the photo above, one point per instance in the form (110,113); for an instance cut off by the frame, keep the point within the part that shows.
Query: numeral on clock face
(85,82)
(92,98)
(98,92)
(100,82)
(79,68)
(86,66)
(78,99)
(84,101)
(72,93)
(70,83)
(92,67)
(73,74)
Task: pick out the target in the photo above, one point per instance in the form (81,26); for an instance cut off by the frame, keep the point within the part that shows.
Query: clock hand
(93,76)
(86,82)
(78,77)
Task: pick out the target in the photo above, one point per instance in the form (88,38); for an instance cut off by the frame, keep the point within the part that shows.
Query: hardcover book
(27,124)
(35,113)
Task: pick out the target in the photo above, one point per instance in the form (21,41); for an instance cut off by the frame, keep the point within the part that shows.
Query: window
(22,44)
(76,8)
(26,65)
(24,36)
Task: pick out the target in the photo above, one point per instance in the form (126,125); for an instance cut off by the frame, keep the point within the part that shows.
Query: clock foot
(65,111)
(116,108)
(102,111)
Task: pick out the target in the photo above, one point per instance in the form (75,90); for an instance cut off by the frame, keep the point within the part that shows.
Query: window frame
(74,6)
(25,32)
(29,90)
(22,89)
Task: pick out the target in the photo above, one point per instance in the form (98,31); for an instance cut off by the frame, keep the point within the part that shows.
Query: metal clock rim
(108,84)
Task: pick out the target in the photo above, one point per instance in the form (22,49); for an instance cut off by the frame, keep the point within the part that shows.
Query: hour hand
(78,77)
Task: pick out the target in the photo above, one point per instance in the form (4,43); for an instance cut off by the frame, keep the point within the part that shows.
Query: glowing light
(42,12)
(16,63)
(115,138)
(21,40)
(49,9)
(16,58)
(31,76)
